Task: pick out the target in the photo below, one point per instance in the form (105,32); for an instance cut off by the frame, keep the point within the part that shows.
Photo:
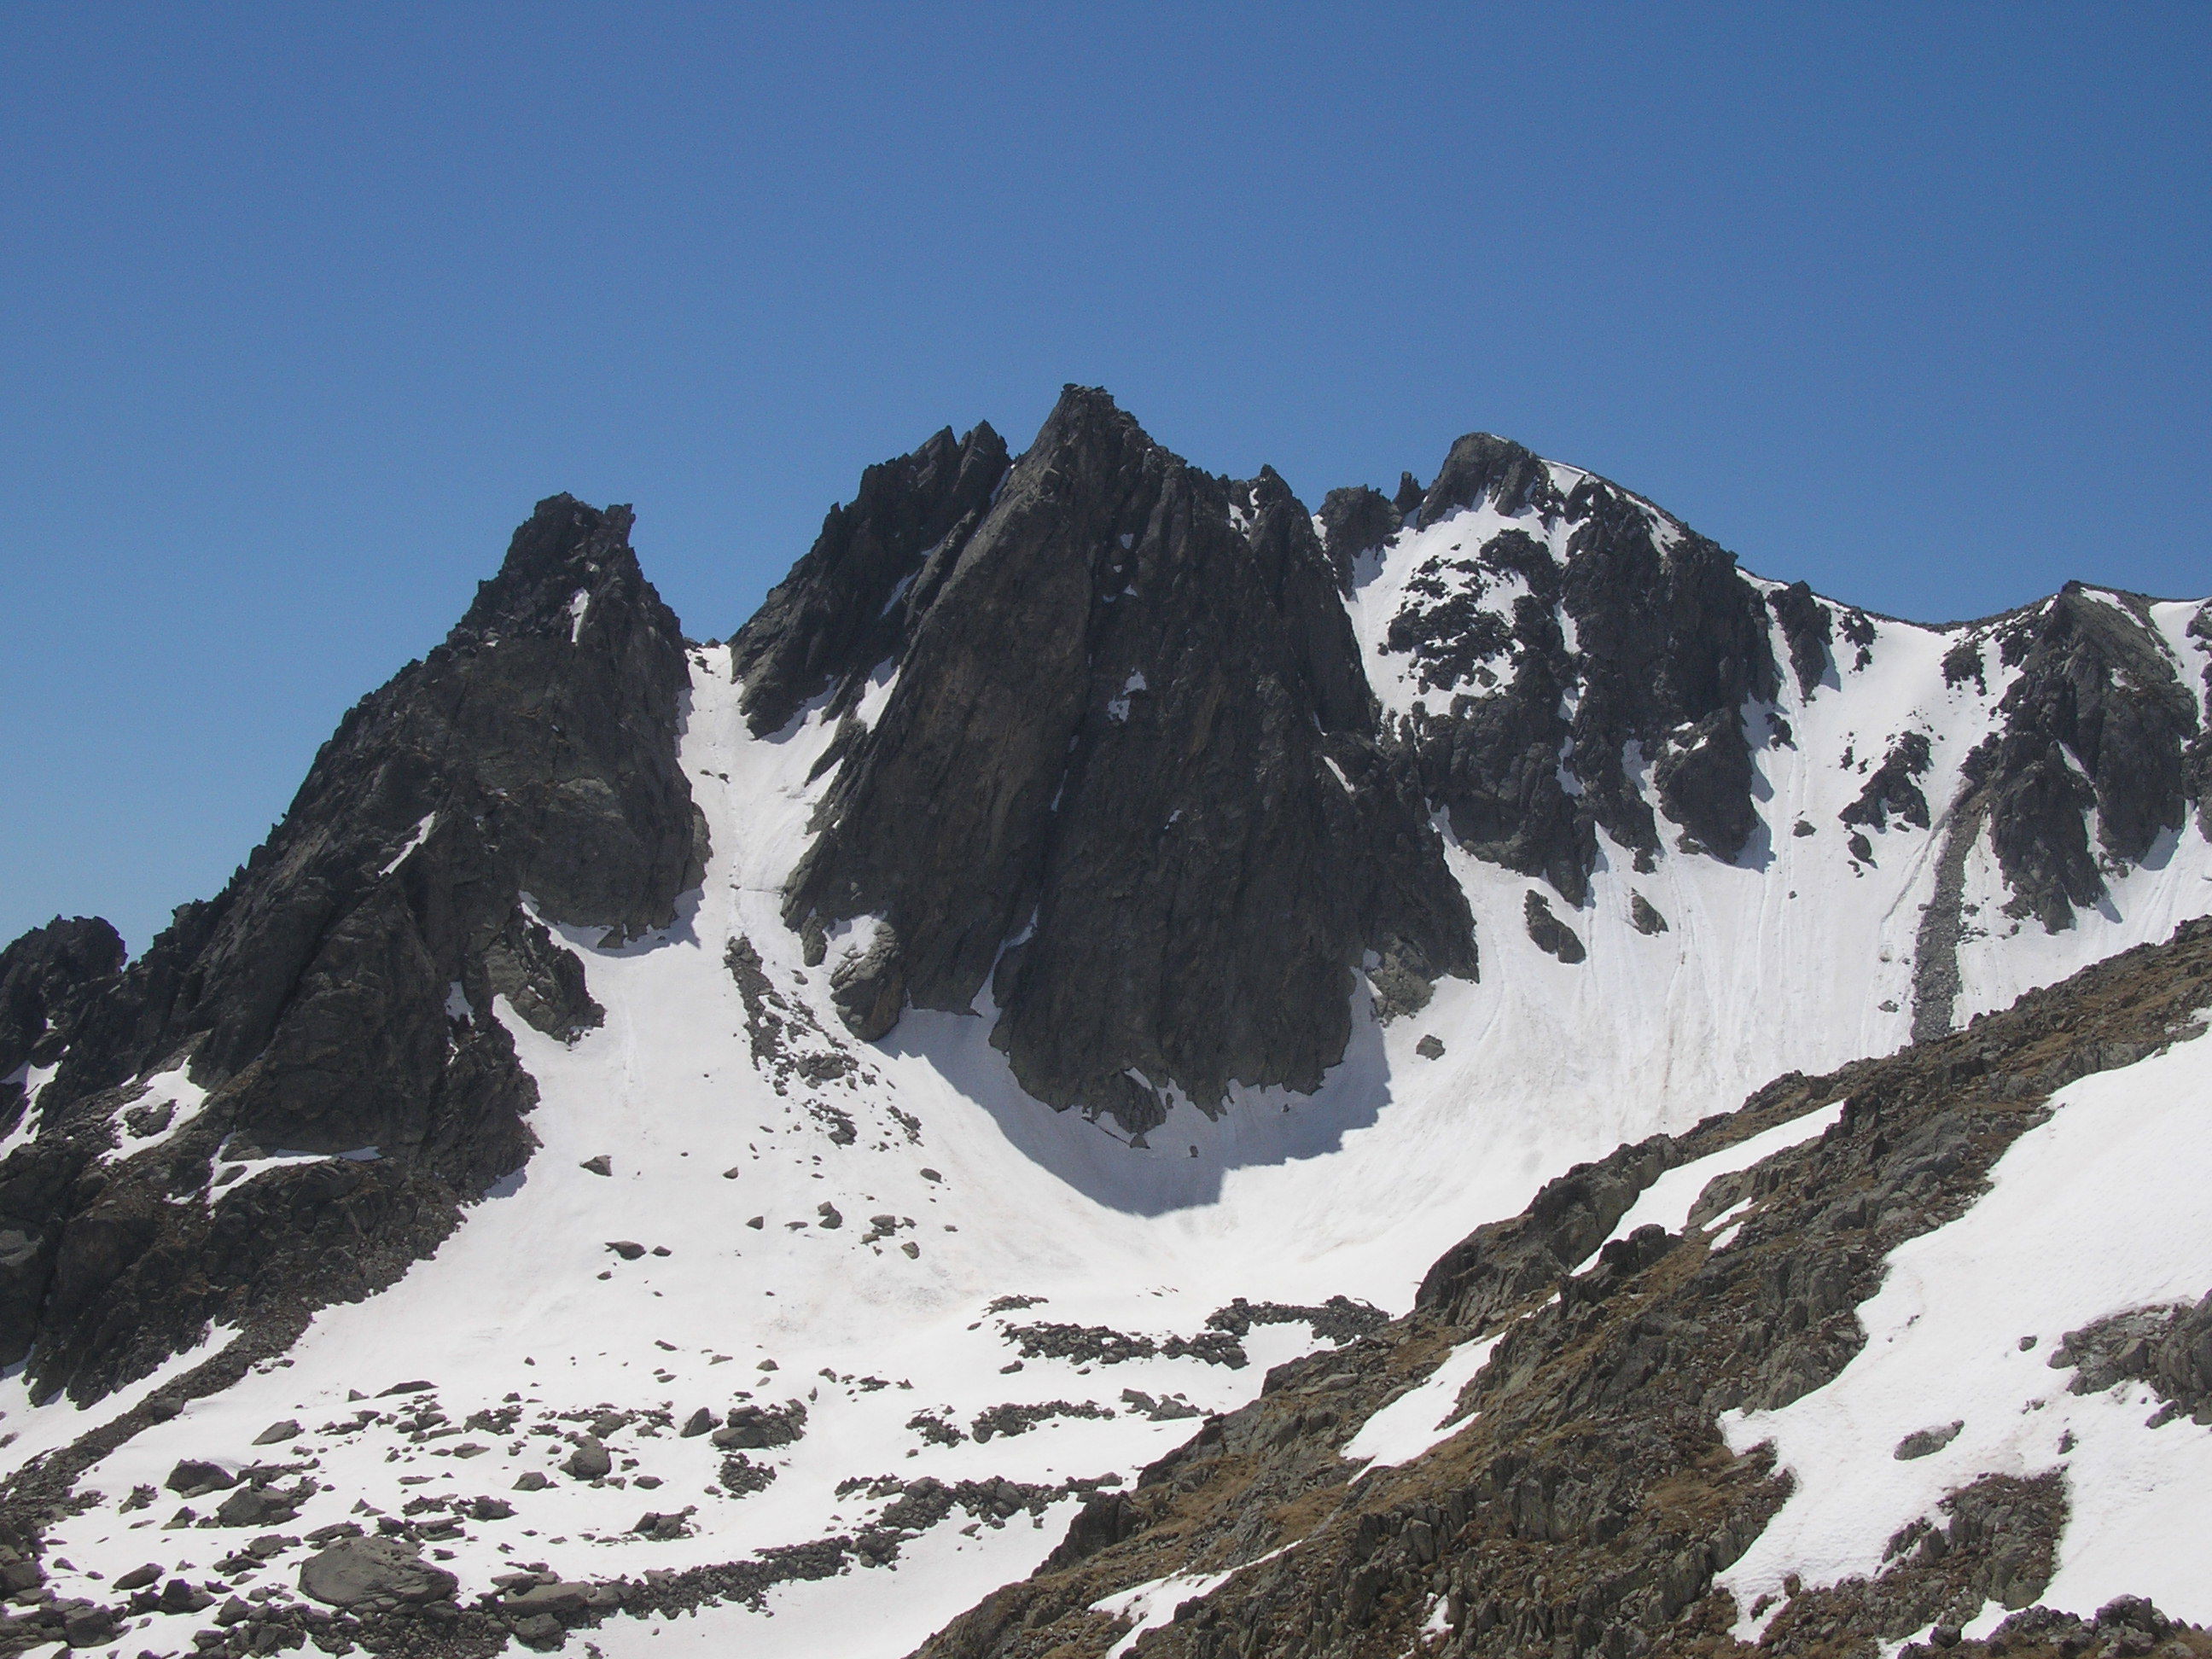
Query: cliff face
(1128,772)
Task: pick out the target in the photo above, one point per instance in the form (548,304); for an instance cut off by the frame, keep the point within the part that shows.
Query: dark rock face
(2095,690)
(1354,521)
(845,605)
(1807,624)
(1671,645)
(48,978)
(335,997)
(1131,731)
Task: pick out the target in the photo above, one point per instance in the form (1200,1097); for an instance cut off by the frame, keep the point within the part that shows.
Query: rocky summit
(1134,1067)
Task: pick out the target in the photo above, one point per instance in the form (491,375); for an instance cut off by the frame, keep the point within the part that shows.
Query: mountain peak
(1484,467)
(1089,679)
(566,554)
(654,1060)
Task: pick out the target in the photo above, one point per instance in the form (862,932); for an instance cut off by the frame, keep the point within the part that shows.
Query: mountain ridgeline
(1113,879)
(1107,748)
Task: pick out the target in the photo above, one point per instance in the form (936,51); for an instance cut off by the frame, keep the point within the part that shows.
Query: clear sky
(303,305)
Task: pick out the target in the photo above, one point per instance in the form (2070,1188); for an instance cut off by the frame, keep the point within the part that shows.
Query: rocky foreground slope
(740,1144)
(1566,1446)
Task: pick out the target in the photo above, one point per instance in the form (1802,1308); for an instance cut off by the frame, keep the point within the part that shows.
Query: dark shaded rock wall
(1355,521)
(336,997)
(1131,729)
(845,606)
(48,978)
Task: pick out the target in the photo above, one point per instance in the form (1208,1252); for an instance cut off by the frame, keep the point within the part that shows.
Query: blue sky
(303,305)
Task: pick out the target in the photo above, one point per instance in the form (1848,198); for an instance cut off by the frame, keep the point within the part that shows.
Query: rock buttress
(1130,745)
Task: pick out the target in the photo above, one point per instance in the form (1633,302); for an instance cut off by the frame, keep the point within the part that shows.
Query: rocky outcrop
(1585,1500)
(1671,646)
(1355,521)
(1506,1261)
(336,997)
(1808,626)
(48,980)
(1484,467)
(2098,720)
(2170,1348)
(1130,775)
(1891,790)
(1548,932)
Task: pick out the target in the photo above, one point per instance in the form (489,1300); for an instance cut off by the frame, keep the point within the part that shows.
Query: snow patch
(1418,1421)
(422,833)
(1153,1604)
(1667,1201)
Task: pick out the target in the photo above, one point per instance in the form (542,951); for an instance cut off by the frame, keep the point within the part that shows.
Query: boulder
(182,1595)
(257,1506)
(537,1630)
(589,1461)
(192,1478)
(559,1599)
(869,988)
(354,1570)
(90,1627)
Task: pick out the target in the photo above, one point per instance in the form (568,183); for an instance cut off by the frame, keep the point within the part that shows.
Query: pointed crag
(337,996)
(1130,776)
(843,608)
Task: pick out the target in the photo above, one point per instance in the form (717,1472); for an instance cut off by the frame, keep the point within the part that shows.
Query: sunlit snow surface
(1416,1421)
(1798,957)
(2103,1209)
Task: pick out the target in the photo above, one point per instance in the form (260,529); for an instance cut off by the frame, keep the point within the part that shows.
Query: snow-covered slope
(738,1208)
